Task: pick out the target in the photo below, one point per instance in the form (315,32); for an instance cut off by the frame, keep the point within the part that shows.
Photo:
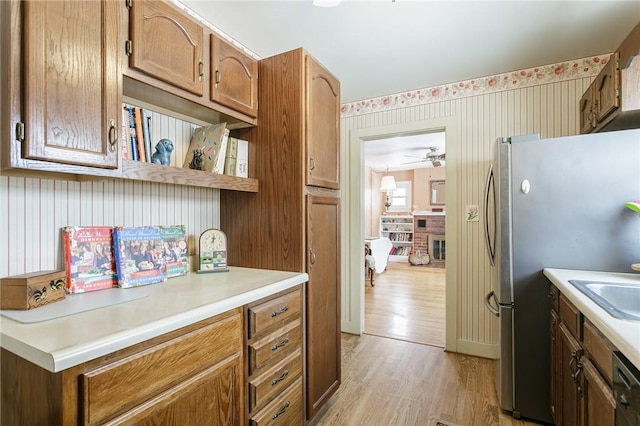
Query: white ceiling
(394,153)
(382,47)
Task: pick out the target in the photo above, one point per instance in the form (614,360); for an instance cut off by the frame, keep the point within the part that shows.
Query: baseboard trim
(483,350)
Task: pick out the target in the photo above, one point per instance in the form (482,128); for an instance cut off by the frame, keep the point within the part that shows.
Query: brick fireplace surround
(425,225)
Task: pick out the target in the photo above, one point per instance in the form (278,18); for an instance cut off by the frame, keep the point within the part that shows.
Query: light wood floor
(389,382)
(396,382)
(408,303)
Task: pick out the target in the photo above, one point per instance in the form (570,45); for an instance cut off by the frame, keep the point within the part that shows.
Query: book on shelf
(89,258)
(175,250)
(146,132)
(222,153)
(242,160)
(124,134)
(137,114)
(204,147)
(136,255)
(232,155)
(133,140)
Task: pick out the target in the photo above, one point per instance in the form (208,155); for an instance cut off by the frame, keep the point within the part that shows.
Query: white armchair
(380,248)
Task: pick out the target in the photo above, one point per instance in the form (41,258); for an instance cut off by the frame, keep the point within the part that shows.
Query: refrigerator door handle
(490,240)
(487,302)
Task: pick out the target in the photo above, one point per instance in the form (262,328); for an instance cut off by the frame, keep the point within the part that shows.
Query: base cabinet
(190,376)
(275,359)
(581,368)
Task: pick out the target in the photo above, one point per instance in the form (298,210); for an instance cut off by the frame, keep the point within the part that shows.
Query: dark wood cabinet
(166,43)
(581,368)
(289,224)
(570,367)
(599,405)
(611,102)
(607,88)
(234,77)
(587,110)
(556,385)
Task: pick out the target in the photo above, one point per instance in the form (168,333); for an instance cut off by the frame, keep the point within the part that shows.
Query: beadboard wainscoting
(547,104)
(32,211)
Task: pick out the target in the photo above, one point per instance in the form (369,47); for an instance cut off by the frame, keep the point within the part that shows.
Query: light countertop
(71,340)
(624,334)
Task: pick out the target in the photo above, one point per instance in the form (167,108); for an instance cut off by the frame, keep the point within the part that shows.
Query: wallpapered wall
(538,100)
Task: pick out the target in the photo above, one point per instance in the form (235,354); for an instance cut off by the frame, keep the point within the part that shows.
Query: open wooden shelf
(151,172)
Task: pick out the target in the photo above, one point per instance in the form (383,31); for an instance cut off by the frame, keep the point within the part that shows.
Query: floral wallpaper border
(578,68)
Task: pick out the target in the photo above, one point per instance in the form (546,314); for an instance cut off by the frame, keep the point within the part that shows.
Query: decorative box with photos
(137,255)
(88,258)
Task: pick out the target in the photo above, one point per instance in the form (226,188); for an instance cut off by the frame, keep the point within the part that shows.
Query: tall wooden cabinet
(292,223)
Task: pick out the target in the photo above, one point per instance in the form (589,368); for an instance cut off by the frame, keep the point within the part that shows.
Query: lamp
(387,184)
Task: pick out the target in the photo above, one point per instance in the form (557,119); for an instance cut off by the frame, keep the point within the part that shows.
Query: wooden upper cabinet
(587,113)
(234,77)
(167,44)
(322,126)
(71,82)
(607,88)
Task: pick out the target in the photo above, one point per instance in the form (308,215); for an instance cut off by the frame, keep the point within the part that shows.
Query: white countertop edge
(70,357)
(620,332)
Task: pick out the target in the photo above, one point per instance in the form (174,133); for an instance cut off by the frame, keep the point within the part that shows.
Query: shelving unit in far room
(399,230)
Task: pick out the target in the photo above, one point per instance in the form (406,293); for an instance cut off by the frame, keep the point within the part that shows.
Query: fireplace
(437,248)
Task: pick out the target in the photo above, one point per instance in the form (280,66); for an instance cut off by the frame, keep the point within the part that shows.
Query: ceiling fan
(433,155)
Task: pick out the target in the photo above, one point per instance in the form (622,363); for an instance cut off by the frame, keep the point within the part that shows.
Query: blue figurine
(164,148)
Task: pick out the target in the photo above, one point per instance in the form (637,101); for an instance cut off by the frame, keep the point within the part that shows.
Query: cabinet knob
(312,257)
(113,135)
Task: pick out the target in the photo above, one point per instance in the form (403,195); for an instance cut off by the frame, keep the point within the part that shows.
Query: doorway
(407,298)
(353,207)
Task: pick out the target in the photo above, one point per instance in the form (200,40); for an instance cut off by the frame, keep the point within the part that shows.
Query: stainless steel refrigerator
(555,203)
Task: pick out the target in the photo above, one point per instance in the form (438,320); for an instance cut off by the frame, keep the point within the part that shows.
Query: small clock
(213,251)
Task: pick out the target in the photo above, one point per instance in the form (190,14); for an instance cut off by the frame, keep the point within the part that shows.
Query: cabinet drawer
(274,346)
(265,386)
(285,410)
(570,316)
(599,349)
(121,385)
(274,311)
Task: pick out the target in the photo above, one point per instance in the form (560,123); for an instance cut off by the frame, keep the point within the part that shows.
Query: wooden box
(31,290)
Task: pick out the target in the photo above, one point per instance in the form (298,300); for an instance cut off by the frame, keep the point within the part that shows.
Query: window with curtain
(401,197)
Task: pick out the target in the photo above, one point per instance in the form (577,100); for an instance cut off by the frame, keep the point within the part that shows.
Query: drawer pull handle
(279,345)
(281,311)
(281,411)
(279,379)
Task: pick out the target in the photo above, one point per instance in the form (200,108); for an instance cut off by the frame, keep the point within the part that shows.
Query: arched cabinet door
(71,98)
(167,44)
(234,77)
(322,126)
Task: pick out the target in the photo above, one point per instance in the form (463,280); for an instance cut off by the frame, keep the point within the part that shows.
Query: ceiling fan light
(326,3)
(436,163)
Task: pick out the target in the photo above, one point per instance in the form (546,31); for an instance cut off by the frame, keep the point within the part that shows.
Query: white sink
(620,300)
